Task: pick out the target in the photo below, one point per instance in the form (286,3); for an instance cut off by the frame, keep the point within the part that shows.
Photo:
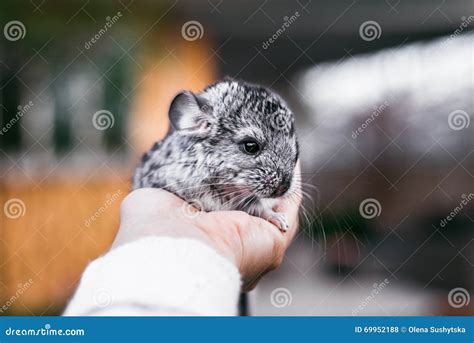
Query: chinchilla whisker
(237,197)
(234,200)
(305,184)
(306,218)
(243,202)
(194,186)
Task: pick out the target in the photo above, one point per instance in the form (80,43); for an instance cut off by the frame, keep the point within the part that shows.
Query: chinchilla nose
(282,188)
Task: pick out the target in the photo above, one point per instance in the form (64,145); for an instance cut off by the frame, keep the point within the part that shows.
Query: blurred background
(383,96)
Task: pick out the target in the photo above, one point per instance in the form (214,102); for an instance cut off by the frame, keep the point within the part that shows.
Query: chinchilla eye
(250,147)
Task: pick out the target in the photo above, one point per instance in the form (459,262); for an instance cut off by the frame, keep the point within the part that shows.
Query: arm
(158,276)
(167,262)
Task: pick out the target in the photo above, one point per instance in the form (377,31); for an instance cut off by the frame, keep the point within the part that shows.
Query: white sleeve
(158,276)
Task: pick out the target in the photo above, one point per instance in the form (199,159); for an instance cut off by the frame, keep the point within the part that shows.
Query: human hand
(254,245)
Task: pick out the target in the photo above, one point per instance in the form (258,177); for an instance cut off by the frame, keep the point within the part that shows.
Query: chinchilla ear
(190,114)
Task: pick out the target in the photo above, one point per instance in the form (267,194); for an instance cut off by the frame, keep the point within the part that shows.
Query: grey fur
(200,161)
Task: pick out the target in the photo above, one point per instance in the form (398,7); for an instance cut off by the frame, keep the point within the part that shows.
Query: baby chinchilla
(231,147)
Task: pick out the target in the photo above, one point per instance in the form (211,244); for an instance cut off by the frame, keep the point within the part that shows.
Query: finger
(290,206)
(271,243)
